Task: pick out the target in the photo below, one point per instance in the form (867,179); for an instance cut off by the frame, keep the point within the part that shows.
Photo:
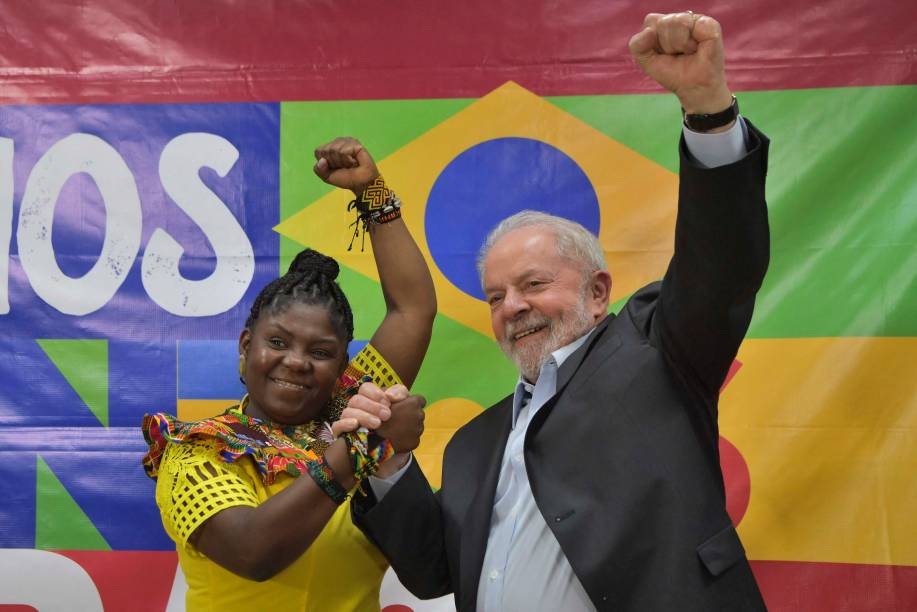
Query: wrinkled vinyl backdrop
(155,172)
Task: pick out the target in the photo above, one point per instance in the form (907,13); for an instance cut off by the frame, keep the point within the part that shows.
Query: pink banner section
(72,51)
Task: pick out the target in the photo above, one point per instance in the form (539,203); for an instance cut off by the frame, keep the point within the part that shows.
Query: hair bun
(309,260)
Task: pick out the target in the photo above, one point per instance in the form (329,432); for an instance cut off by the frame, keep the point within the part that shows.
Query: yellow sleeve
(193,485)
(370,361)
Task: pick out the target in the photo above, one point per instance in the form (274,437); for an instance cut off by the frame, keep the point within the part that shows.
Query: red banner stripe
(128,52)
(794,586)
(127,579)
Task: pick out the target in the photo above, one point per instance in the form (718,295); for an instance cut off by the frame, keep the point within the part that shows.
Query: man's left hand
(683,52)
(369,408)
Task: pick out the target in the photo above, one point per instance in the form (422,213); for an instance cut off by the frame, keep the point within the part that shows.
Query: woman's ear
(244,342)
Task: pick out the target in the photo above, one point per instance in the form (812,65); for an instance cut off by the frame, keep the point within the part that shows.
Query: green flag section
(842,198)
(463,363)
(383,126)
(60,523)
(84,363)
(648,123)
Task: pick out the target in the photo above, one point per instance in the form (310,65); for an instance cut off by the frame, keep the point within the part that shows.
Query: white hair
(574,242)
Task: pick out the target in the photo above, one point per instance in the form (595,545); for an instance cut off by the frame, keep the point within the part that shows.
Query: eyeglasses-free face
(292,359)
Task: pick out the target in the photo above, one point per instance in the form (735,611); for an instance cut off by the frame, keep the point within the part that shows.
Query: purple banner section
(141,226)
(128,259)
(99,189)
(209,369)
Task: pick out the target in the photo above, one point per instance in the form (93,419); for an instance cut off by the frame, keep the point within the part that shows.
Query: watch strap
(708,121)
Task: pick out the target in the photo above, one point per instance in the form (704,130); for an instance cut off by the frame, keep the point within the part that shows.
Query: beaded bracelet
(376,204)
(367,452)
(323,476)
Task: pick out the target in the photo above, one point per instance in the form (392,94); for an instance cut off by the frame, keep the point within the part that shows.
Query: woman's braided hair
(309,280)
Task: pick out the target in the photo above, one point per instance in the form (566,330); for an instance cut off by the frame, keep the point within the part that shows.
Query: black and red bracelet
(376,205)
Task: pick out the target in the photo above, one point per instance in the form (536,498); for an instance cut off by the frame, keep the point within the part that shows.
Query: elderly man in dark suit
(596,484)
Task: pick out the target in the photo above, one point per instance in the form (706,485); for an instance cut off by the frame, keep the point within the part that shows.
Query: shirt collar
(559,357)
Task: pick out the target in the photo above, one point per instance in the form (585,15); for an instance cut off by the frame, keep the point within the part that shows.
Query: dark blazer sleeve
(721,256)
(406,526)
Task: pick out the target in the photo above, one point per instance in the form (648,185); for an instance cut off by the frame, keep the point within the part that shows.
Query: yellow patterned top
(341,570)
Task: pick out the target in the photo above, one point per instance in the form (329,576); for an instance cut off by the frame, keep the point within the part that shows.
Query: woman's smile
(286,384)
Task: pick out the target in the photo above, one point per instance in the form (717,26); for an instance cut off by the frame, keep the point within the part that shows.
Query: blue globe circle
(491,181)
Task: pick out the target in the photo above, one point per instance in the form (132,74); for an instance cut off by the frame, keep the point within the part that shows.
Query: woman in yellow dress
(254,497)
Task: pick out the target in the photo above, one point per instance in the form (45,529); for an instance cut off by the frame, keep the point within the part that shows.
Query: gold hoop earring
(242,367)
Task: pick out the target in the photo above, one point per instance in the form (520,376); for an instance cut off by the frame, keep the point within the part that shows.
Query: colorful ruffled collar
(274,448)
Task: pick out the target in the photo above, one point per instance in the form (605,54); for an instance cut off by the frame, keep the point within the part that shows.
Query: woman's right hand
(345,163)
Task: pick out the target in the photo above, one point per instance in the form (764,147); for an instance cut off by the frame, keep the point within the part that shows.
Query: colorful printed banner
(138,220)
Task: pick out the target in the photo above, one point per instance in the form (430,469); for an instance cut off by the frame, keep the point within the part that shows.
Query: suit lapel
(573,364)
(574,361)
(477,521)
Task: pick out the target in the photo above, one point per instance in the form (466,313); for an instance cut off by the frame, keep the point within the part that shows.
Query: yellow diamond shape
(636,196)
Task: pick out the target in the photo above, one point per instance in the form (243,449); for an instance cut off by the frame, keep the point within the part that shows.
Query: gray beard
(529,359)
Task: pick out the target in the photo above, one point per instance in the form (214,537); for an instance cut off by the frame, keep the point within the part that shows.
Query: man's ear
(599,294)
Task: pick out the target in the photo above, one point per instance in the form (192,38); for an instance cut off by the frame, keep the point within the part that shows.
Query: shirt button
(517,457)
(494,574)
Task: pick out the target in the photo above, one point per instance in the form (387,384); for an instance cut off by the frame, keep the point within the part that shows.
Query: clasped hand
(392,413)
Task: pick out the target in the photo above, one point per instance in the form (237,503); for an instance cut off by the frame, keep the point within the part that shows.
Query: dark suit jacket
(623,461)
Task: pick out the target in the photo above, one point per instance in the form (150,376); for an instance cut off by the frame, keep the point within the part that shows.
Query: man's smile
(528,332)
